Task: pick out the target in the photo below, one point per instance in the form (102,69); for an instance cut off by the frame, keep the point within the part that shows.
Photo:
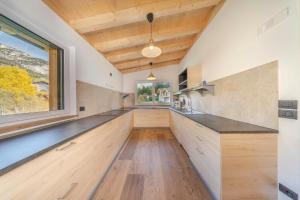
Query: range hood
(204,87)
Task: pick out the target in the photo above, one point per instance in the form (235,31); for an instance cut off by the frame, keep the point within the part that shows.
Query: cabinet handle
(73,185)
(198,138)
(65,147)
(199,125)
(110,145)
(200,152)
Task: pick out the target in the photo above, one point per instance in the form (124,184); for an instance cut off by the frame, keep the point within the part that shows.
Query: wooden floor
(152,166)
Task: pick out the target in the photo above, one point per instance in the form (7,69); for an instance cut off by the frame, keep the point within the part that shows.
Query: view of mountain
(36,67)
(14,57)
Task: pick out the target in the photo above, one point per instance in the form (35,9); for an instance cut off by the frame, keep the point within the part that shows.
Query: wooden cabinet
(194,76)
(72,170)
(175,126)
(190,77)
(151,118)
(233,166)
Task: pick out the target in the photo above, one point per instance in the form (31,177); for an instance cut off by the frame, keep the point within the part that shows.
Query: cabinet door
(173,125)
(194,76)
(151,118)
(102,155)
(204,148)
(177,120)
(72,170)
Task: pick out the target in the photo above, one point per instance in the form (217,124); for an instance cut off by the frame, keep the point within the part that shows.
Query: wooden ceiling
(119,29)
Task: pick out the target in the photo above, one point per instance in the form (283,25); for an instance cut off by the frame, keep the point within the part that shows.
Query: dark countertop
(151,107)
(17,150)
(225,125)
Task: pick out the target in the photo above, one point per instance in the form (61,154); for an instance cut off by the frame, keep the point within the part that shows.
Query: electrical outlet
(289,114)
(81,108)
(290,193)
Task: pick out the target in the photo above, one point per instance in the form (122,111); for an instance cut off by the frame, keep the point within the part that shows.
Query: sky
(21,45)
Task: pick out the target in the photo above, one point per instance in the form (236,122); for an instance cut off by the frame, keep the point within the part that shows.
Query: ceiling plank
(119,30)
(138,33)
(155,65)
(167,46)
(137,13)
(144,61)
(209,18)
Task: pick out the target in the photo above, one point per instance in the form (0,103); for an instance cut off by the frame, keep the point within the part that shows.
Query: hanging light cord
(151,37)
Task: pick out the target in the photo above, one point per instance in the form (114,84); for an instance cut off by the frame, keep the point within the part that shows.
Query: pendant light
(151,76)
(151,51)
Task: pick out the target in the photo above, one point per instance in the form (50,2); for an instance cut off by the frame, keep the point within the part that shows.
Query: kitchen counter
(151,107)
(17,150)
(225,125)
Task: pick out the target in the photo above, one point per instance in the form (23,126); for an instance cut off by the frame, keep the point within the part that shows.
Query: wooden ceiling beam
(140,40)
(155,65)
(144,61)
(138,33)
(167,46)
(137,13)
(119,30)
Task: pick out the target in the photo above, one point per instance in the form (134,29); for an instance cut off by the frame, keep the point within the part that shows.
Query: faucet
(189,103)
(186,103)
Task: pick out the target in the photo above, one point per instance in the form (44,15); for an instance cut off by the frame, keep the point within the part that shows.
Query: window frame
(69,77)
(154,103)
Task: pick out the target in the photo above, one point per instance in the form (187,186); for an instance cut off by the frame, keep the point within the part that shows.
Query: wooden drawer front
(208,163)
(172,123)
(201,133)
(211,176)
(72,170)
(203,147)
(151,118)
(176,126)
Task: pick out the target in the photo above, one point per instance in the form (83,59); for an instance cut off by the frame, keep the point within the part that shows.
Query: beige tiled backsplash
(250,96)
(96,99)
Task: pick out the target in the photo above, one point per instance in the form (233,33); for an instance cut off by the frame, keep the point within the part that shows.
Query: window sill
(14,130)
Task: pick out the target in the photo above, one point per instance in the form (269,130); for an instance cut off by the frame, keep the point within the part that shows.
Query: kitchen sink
(186,112)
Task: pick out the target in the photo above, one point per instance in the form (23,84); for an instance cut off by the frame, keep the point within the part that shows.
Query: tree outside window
(153,93)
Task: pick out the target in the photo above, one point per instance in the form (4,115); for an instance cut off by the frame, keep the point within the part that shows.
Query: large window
(31,71)
(153,93)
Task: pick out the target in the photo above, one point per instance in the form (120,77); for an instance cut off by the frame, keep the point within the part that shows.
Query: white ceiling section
(233,43)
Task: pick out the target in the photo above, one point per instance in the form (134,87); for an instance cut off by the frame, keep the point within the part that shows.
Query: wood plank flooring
(152,166)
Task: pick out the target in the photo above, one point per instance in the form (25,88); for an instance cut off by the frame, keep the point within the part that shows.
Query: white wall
(231,44)
(169,73)
(91,66)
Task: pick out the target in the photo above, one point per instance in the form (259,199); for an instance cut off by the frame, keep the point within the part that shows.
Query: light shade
(151,51)
(151,77)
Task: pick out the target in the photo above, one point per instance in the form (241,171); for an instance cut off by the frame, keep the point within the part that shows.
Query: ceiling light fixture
(151,76)
(151,51)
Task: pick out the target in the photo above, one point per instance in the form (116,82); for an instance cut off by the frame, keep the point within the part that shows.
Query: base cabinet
(151,118)
(72,170)
(234,166)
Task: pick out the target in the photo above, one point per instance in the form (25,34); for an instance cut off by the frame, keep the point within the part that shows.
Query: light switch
(288,104)
(289,114)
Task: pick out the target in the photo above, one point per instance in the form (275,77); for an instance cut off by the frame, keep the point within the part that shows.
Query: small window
(31,71)
(153,93)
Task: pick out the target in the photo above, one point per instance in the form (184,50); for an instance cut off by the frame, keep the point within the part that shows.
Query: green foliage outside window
(153,93)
